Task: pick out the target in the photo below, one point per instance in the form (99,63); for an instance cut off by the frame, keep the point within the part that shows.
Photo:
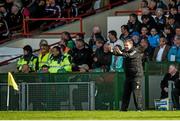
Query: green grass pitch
(88,115)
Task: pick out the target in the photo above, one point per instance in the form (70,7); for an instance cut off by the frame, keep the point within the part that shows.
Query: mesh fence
(105,89)
(50,96)
(58,96)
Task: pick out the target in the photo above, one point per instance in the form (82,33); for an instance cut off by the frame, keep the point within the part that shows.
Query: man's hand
(110,48)
(117,50)
(95,59)
(165,89)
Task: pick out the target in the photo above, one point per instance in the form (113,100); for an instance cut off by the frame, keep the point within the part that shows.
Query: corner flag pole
(7,98)
(11,82)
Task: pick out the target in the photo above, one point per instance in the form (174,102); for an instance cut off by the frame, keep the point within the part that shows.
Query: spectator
(172,22)
(168,33)
(70,9)
(135,38)
(3,10)
(172,75)
(161,4)
(174,52)
(25,69)
(52,9)
(59,63)
(9,4)
(81,55)
(152,5)
(4,30)
(124,33)
(134,24)
(148,21)
(153,38)
(30,8)
(160,19)
(176,94)
(144,32)
(41,5)
(161,52)
(101,59)
(144,3)
(44,69)
(146,50)
(29,59)
(43,42)
(177,31)
(96,32)
(67,40)
(107,58)
(172,4)
(113,40)
(117,62)
(44,55)
(15,18)
(174,12)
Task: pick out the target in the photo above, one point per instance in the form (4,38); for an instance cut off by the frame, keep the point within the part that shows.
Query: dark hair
(169,27)
(100,39)
(28,48)
(67,34)
(113,32)
(164,39)
(144,17)
(81,35)
(81,40)
(45,66)
(134,16)
(125,27)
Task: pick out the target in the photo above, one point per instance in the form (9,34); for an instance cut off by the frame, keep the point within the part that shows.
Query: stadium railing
(27,32)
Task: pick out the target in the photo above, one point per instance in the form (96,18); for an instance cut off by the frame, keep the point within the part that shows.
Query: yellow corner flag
(11,81)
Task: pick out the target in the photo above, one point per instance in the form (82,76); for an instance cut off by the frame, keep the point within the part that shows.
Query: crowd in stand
(157,38)
(12,12)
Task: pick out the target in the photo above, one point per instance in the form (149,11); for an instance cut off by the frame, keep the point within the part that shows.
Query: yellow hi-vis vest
(63,66)
(32,63)
(43,60)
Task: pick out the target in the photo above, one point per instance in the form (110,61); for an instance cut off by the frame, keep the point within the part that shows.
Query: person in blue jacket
(174,52)
(153,39)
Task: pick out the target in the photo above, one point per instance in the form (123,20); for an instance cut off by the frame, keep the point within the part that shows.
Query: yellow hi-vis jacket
(43,60)
(64,65)
(32,63)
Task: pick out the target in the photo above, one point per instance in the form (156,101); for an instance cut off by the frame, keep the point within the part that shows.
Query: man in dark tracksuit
(134,74)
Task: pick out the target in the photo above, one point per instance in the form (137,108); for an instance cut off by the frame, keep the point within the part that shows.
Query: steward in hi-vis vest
(29,59)
(59,62)
(44,55)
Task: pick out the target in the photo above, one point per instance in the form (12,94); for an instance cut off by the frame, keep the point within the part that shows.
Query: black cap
(28,48)
(100,39)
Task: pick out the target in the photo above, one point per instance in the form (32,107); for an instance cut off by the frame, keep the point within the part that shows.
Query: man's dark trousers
(132,85)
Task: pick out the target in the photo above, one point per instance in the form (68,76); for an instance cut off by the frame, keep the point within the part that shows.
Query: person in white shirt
(113,40)
(161,52)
